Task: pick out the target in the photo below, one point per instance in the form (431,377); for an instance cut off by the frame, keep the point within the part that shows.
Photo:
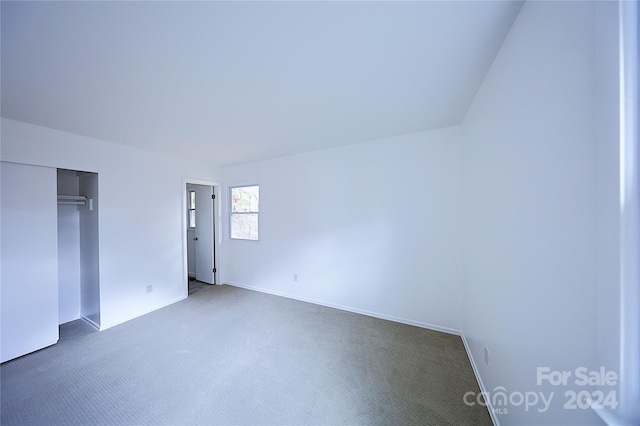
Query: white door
(29,285)
(204,234)
(191,232)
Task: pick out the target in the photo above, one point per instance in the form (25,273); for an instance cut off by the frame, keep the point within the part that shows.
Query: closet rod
(72,198)
(77,200)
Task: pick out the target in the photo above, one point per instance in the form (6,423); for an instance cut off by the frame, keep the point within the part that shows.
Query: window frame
(191,196)
(232,214)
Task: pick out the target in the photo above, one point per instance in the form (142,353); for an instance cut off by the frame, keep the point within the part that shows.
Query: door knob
(195,239)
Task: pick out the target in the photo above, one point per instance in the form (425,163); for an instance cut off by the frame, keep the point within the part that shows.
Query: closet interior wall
(78,267)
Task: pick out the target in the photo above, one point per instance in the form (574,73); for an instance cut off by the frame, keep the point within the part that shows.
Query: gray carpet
(227,355)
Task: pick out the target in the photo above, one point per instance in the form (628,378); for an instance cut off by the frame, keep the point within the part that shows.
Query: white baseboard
(90,322)
(476,372)
(351,309)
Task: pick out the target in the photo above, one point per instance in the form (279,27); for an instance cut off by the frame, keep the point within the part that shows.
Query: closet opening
(78,261)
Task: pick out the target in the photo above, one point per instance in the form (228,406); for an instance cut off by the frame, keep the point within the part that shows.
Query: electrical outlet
(150,288)
(486,355)
(295,277)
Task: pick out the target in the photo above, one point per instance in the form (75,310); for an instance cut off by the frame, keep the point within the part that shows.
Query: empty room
(319,212)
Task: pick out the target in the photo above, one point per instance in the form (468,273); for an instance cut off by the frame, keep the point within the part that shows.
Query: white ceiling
(230,82)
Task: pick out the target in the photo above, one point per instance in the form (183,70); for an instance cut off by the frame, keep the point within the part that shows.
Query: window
(191,209)
(245,202)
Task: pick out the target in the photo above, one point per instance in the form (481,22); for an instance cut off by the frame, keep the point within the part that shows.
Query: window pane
(192,218)
(244,226)
(192,199)
(245,199)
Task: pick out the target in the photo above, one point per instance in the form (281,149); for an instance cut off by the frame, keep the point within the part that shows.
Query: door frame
(216,229)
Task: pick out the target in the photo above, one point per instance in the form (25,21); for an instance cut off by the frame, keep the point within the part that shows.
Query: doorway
(201,231)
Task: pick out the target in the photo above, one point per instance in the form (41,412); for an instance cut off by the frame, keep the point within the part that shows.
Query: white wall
(371,227)
(141,213)
(534,187)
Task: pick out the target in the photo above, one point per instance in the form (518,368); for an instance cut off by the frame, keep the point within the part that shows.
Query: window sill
(236,240)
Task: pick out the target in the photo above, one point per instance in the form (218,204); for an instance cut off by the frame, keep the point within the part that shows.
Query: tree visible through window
(245,201)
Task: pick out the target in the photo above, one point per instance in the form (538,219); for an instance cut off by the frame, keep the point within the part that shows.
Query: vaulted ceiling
(231,82)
